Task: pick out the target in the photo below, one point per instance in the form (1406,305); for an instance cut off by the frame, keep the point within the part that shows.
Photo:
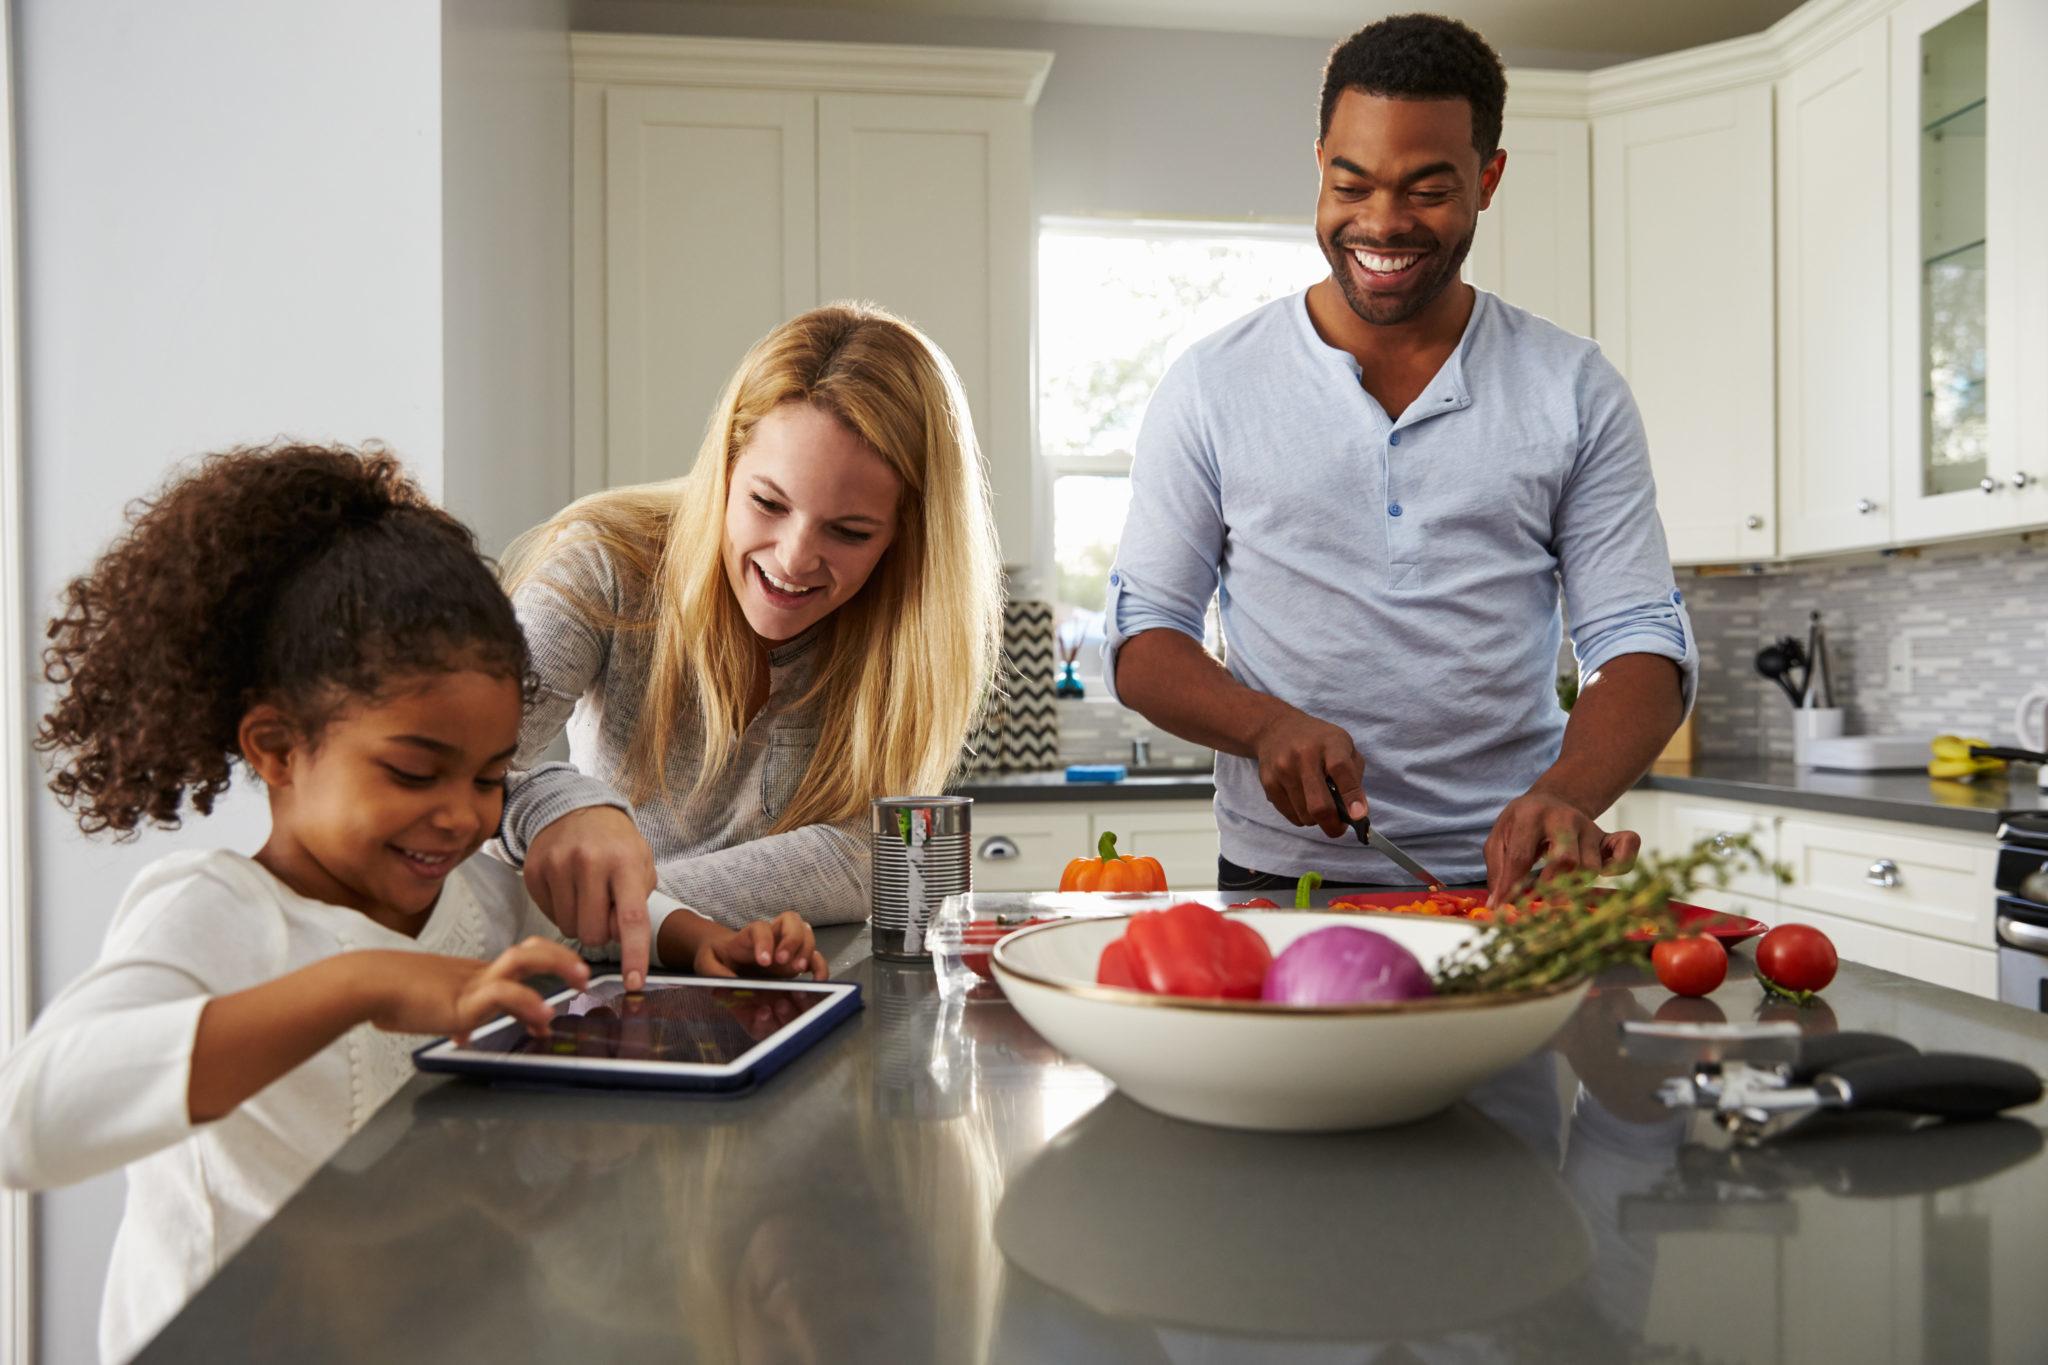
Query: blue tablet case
(520,1071)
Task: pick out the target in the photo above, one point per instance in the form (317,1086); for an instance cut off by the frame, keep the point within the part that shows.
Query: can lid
(893,802)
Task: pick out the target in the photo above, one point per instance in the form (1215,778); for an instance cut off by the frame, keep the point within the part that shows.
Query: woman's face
(809,513)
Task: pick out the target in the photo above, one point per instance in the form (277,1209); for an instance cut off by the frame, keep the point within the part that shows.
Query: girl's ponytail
(293,574)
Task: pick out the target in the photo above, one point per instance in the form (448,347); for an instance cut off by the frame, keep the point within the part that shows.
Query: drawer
(1181,835)
(1687,821)
(1971,970)
(1892,875)
(1025,846)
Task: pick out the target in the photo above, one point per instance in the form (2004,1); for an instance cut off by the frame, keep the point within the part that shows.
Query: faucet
(1141,752)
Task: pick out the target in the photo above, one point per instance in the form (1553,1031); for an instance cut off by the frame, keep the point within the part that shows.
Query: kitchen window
(1118,301)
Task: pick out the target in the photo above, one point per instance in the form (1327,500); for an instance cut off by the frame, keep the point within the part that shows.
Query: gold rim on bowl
(1119,995)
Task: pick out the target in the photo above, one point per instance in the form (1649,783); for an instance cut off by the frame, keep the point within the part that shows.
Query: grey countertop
(933,1183)
(1912,797)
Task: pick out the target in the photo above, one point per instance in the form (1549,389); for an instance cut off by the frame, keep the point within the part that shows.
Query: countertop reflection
(934,1183)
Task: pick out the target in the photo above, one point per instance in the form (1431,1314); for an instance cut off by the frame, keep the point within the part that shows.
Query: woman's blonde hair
(909,660)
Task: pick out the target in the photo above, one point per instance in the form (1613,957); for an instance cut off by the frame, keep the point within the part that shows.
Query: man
(1389,478)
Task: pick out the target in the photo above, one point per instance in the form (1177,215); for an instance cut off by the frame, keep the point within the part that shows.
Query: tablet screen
(667,1022)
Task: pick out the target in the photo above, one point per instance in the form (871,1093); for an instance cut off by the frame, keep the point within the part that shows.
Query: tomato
(1797,959)
(1690,966)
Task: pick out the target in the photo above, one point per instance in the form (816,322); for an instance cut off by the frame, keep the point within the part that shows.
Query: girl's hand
(591,872)
(428,993)
(782,947)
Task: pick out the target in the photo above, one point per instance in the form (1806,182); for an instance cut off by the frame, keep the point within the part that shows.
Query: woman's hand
(783,947)
(428,993)
(591,873)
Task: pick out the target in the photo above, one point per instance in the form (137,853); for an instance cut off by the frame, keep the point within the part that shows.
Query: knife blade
(1373,839)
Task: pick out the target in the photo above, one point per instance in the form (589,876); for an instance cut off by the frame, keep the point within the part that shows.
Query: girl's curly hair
(298,575)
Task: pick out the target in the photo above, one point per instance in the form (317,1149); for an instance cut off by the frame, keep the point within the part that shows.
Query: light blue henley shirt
(1400,579)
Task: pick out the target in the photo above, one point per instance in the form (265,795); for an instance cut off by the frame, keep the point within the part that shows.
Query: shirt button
(1395,439)
(1394,509)
(1114,580)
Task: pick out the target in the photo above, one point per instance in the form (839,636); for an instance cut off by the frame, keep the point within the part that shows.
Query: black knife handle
(1828,1051)
(1950,1085)
(1363,825)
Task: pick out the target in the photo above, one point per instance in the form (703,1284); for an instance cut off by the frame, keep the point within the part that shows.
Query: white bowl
(1248,1064)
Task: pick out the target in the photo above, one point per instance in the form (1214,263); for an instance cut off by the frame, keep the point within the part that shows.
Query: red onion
(1345,966)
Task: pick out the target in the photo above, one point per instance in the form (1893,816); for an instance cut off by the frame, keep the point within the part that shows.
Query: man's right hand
(1295,751)
(591,873)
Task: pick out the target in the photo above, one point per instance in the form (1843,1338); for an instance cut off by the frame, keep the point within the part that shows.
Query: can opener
(1761,1081)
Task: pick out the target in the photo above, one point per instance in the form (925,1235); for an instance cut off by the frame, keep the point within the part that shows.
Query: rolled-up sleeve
(1172,545)
(1620,596)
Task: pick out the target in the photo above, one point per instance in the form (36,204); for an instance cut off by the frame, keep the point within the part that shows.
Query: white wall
(230,228)
(506,262)
(1133,121)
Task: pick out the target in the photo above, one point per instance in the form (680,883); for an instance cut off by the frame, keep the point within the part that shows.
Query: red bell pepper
(1189,949)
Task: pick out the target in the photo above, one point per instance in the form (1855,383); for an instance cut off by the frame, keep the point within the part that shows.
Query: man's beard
(1385,310)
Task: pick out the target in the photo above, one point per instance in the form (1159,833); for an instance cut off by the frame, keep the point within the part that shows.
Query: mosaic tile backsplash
(1945,639)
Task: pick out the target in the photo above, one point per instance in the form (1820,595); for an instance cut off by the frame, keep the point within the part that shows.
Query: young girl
(307,612)
(746,656)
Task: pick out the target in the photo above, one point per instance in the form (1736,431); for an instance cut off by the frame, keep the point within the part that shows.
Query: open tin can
(921,848)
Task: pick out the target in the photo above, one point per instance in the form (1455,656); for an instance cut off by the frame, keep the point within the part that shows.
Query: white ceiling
(1619,28)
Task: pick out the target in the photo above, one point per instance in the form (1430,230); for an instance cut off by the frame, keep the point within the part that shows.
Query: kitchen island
(934,1183)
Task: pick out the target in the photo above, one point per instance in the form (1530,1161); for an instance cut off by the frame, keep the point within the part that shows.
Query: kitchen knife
(1372,838)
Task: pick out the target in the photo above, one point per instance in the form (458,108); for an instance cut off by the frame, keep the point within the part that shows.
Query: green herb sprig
(1584,927)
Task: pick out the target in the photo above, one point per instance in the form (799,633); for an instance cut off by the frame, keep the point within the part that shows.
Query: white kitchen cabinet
(1686,820)
(1834,202)
(724,185)
(1970,267)
(710,238)
(1894,895)
(1180,834)
(1025,845)
(1684,307)
(1974,971)
(1533,246)
(1921,881)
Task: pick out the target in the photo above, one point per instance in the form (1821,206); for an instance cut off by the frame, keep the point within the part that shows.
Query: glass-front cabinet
(1968,270)
(1954,437)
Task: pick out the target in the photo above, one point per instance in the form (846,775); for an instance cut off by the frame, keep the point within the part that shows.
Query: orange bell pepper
(1111,872)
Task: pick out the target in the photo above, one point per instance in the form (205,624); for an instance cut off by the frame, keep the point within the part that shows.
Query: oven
(2022,882)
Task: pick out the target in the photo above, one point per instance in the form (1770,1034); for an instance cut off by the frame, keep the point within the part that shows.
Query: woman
(745,656)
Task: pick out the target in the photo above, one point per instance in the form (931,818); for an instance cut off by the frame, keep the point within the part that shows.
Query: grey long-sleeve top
(715,854)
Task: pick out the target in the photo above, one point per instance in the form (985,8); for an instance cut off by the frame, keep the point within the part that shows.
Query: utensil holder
(922,852)
(1810,723)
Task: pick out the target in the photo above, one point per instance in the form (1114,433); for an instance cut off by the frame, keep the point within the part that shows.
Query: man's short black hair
(1421,57)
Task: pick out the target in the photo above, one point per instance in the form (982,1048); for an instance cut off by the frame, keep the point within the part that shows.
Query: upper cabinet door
(1943,387)
(924,206)
(1533,246)
(1683,306)
(1834,357)
(709,239)
(2017,213)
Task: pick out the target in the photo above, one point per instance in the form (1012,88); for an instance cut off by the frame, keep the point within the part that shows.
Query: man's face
(1402,187)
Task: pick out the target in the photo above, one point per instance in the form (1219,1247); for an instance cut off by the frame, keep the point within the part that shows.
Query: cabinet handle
(1753,522)
(1864,507)
(1988,484)
(1723,841)
(1884,872)
(2023,480)
(998,849)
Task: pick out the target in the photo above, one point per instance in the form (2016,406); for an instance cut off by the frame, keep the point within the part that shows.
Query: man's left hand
(1543,825)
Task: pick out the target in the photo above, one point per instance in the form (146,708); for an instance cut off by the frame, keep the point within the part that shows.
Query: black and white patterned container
(922,852)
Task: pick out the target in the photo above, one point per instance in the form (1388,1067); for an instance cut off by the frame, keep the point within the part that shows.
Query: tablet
(680,1033)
